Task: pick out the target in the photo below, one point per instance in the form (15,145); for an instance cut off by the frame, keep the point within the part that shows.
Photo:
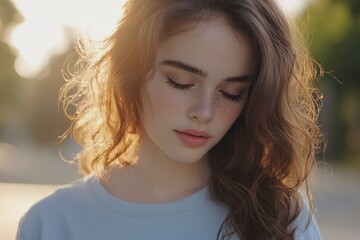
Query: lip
(195,133)
(193,138)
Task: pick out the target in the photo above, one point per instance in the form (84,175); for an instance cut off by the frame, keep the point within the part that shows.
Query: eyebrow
(191,69)
(184,66)
(244,79)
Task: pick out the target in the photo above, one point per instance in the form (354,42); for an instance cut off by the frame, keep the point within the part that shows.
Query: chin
(190,158)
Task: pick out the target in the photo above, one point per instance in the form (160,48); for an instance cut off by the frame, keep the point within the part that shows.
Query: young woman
(197,121)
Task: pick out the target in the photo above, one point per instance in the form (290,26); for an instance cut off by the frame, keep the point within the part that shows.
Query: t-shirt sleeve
(19,234)
(49,218)
(28,228)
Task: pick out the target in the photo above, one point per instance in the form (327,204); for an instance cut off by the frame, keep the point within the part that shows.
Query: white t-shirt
(85,210)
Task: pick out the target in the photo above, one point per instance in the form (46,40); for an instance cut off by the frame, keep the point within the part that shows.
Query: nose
(202,108)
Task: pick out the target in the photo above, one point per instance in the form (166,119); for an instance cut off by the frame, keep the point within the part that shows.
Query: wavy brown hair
(269,152)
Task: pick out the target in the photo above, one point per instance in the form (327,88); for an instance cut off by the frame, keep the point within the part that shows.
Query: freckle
(165,100)
(171,102)
(229,113)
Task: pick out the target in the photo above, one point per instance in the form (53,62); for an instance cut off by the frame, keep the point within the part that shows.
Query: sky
(48,23)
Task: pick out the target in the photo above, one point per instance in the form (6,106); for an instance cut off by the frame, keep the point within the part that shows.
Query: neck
(155,178)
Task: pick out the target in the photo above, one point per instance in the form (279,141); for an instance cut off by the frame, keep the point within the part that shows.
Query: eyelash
(177,85)
(234,98)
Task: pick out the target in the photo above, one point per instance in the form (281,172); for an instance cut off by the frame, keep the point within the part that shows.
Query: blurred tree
(334,27)
(354,6)
(9,79)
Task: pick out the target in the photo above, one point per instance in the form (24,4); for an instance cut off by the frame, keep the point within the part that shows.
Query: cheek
(162,101)
(229,112)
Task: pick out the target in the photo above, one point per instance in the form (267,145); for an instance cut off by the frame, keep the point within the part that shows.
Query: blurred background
(36,38)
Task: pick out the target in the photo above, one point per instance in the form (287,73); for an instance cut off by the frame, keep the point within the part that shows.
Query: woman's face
(199,89)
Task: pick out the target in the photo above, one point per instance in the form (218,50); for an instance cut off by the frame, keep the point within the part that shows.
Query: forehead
(212,46)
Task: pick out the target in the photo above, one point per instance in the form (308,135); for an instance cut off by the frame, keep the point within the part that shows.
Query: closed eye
(234,98)
(176,85)
(172,83)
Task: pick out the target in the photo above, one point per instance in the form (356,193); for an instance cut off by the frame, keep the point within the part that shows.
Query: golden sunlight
(48,27)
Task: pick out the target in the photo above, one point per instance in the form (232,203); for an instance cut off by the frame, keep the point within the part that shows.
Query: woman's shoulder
(62,196)
(54,209)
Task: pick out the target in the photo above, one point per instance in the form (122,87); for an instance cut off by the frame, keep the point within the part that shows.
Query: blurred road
(337,201)
(29,163)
